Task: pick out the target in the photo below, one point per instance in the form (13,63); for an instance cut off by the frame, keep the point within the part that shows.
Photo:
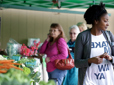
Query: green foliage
(28,62)
(31,60)
(14,77)
(29,70)
(26,70)
(23,60)
(50,82)
(35,75)
(5,56)
(17,55)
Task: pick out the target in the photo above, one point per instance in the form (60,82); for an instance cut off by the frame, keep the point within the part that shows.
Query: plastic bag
(13,47)
(31,41)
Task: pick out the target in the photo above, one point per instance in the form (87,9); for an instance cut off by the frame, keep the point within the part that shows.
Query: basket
(30,64)
(16,58)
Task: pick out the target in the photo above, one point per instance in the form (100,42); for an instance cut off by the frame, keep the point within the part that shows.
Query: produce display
(50,82)
(11,72)
(14,77)
(18,65)
(7,64)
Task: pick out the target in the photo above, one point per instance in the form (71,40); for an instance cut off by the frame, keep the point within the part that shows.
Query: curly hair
(94,13)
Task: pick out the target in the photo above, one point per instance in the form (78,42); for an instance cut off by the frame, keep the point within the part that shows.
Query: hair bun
(102,5)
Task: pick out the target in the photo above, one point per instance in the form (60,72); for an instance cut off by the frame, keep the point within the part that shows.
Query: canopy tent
(53,5)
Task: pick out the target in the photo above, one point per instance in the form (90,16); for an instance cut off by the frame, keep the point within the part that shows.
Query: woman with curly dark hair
(93,53)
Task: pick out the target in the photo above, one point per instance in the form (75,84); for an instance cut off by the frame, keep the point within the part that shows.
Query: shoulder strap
(108,37)
(68,52)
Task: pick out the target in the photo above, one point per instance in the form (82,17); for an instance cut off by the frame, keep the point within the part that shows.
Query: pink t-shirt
(52,52)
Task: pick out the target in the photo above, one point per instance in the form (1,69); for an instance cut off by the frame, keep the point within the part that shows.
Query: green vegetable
(23,60)
(29,69)
(4,56)
(6,83)
(26,70)
(50,82)
(35,76)
(14,77)
(17,55)
(14,82)
(32,60)
(42,83)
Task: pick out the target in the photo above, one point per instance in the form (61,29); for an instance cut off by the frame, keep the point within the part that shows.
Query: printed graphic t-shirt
(99,74)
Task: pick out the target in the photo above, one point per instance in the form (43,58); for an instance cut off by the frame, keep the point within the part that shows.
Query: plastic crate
(30,64)
(16,58)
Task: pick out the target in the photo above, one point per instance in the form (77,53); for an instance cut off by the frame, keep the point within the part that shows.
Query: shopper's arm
(112,46)
(78,53)
(43,47)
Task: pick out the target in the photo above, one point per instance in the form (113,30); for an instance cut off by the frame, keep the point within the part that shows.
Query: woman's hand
(47,59)
(48,37)
(108,57)
(97,59)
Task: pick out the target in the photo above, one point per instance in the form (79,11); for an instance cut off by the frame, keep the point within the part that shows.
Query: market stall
(27,66)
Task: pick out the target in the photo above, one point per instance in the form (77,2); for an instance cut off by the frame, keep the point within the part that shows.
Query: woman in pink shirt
(55,47)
